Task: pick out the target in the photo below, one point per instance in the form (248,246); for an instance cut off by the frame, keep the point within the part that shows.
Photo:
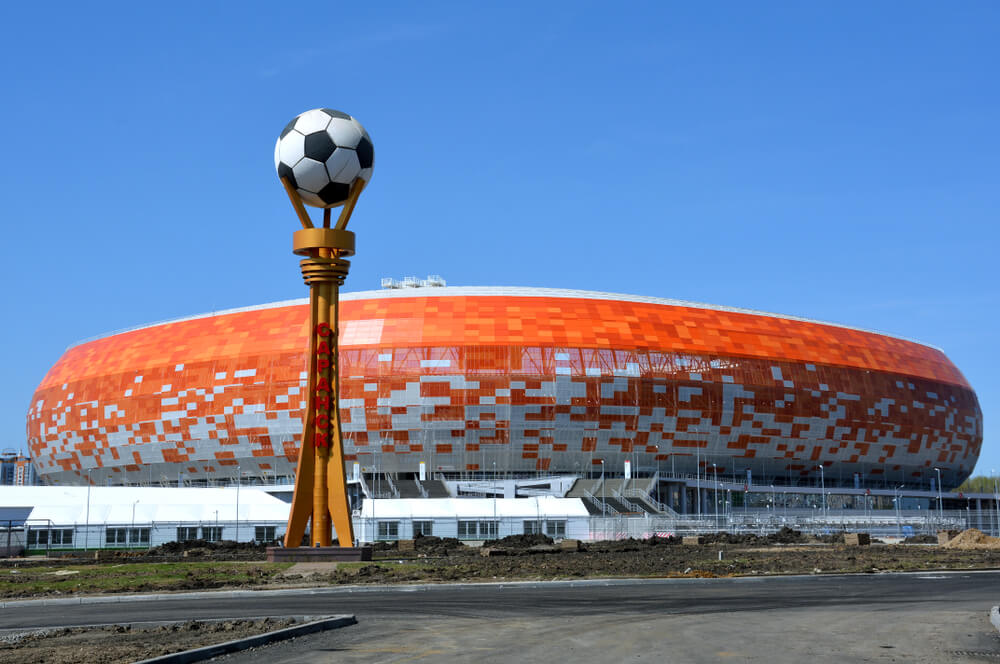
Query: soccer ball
(322,152)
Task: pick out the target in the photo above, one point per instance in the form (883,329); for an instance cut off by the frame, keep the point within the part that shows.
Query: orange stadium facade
(512,380)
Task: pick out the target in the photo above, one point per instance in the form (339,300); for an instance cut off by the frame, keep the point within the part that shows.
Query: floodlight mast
(321,482)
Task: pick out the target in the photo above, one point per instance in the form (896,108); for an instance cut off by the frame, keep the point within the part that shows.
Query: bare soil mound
(429,545)
(973,539)
(519,541)
(921,539)
(784,536)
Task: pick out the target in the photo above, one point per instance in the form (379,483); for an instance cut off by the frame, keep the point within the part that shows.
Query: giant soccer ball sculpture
(324,158)
(321,153)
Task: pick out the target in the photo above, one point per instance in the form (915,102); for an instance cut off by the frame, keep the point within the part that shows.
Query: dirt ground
(786,552)
(119,643)
(201,566)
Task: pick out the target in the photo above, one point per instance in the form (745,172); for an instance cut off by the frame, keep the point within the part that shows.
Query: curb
(201,654)
(995,617)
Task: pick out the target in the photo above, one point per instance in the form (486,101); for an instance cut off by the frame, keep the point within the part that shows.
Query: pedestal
(318,554)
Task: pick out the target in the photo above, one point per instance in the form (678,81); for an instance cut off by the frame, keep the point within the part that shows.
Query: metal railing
(633,506)
(600,502)
(662,507)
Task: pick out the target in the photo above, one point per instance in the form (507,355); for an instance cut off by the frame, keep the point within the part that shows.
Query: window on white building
(477,530)
(388,530)
(50,537)
(488,529)
(116,536)
(532,527)
(138,536)
(187,534)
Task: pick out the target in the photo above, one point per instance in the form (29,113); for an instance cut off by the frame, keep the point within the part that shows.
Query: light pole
(657,475)
(697,477)
(495,499)
(86,531)
(899,524)
(774,504)
(822,482)
(996,500)
(604,493)
(715,478)
(239,477)
(940,501)
(131,531)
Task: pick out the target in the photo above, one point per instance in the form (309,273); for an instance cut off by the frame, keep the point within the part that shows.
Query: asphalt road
(936,617)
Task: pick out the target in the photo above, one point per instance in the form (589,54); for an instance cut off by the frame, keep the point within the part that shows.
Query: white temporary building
(62,517)
(97,517)
(472,518)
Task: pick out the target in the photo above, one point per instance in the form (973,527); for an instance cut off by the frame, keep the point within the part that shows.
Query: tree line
(978,484)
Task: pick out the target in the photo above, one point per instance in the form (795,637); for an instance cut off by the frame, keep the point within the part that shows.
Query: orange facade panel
(229,343)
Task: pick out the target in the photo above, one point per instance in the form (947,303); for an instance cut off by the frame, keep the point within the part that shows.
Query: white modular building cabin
(471,519)
(65,517)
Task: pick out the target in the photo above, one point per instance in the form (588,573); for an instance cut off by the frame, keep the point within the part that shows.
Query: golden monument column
(324,158)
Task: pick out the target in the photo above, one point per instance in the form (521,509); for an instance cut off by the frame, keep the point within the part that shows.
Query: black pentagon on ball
(336,114)
(319,146)
(288,128)
(366,152)
(335,192)
(285,171)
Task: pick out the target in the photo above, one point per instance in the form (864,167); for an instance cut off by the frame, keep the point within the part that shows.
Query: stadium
(480,383)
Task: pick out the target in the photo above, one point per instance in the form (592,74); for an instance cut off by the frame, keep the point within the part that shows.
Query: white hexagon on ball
(344,132)
(291,149)
(310,175)
(322,153)
(310,121)
(350,170)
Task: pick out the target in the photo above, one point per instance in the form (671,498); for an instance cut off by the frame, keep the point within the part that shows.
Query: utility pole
(238,482)
(822,481)
(940,501)
(715,478)
(604,493)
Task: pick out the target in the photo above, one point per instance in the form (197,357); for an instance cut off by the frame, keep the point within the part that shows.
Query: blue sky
(830,160)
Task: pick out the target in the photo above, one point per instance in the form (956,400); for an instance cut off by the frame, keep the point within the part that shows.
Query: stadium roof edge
(511,291)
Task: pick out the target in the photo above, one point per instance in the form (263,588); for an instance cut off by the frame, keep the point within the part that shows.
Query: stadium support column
(321,480)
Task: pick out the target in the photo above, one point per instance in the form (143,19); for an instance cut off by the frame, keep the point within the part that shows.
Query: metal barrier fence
(39,535)
(904,523)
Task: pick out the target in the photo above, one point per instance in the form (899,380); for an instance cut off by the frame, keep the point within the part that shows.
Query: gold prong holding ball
(352,200)
(300,209)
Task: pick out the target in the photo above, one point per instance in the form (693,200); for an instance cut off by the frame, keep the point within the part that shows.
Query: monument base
(318,554)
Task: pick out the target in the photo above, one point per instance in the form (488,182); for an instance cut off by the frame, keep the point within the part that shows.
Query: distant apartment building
(16,469)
